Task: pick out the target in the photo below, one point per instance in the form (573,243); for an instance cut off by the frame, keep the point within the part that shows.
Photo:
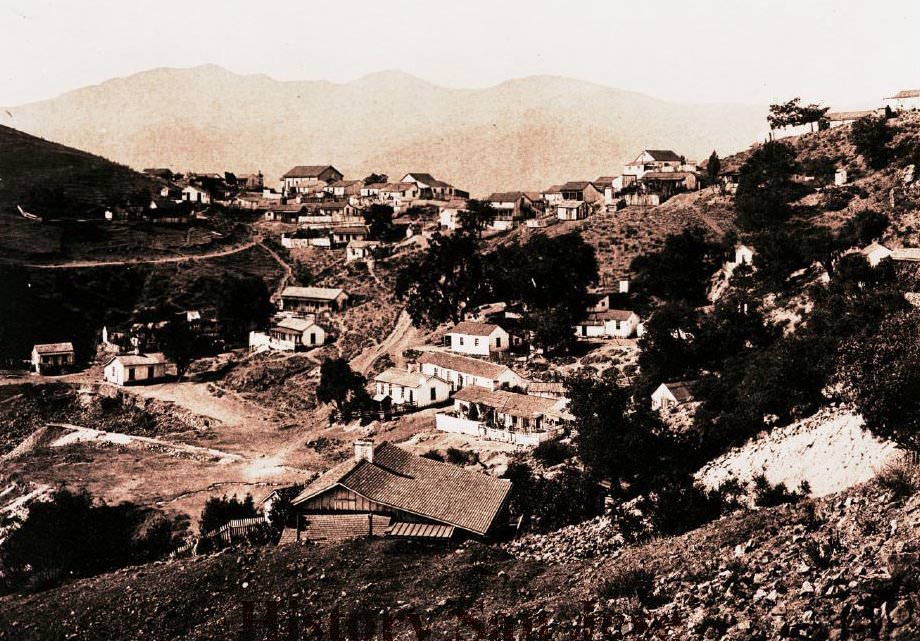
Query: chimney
(364,450)
(413,367)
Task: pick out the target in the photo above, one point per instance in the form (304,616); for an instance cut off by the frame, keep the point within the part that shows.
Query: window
(461,340)
(130,373)
(476,342)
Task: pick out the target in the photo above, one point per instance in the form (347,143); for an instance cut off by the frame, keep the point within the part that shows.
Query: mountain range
(526,133)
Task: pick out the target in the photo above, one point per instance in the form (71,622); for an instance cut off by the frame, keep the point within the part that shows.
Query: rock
(899,615)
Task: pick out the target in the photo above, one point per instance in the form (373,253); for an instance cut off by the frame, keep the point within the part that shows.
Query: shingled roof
(430,489)
(466,365)
(308,171)
(663,155)
(396,376)
(312,293)
(472,328)
(54,348)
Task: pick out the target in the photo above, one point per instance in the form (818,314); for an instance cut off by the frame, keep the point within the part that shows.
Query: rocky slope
(841,567)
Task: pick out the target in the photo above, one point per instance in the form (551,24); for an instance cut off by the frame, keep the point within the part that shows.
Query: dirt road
(83,264)
(403,336)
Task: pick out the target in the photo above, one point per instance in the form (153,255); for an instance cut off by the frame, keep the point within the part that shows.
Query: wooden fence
(235,530)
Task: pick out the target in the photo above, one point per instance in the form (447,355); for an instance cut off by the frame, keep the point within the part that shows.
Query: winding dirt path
(84,264)
(403,336)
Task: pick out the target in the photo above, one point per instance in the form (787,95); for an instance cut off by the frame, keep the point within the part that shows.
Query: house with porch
(402,387)
(126,369)
(48,358)
(431,188)
(461,371)
(385,491)
(504,416)
(510,207)
(651,160)
(582,191)
(311,300)
(344,234)
(611,323)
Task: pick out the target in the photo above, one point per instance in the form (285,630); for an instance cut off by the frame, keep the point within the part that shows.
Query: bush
(766,495)
(434,455)
(218,511)
(836,198)
(73,534)
(553,452)
(456,456)
(899,477)
(631,581)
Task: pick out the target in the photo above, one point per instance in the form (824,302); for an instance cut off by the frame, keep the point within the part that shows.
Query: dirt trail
(81,264)
(403,336)
(288,272)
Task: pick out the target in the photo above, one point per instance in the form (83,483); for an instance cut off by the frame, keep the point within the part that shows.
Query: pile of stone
(595,538)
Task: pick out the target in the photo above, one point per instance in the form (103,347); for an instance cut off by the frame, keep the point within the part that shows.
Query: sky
(842,53)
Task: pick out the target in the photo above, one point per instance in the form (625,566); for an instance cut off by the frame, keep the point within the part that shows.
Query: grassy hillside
(845,566)
(33,169)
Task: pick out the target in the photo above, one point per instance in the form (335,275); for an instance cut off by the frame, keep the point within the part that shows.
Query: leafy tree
(475,217)
(570,496)
(553,329)
(220,510)
(74,534)
(380,220)
(342,386)
(668,346)
(681,270)
(765,186)
(713,167)
(793,113)
(376,178)
(443,281)
(881,376)
(871,135)
(864,227)
(179,344)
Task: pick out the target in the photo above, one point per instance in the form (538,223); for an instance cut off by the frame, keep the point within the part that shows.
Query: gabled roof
(313,293)
(505,196)
(345,183)
(505,402)
(398,186)
(155,358)
(907,254)
(615,314)
(472,328)
(295,324)
(666,175)
(351,229)
(54,348)
(681,390)
(600,180)
(396,376)
(431,489)
(840,116)
(576,185)
(421,177)
(873,247)
(662,155)
(554,189)
(466,365)
(309,171)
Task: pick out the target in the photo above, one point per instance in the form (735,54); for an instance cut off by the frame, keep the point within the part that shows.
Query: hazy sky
(845,53)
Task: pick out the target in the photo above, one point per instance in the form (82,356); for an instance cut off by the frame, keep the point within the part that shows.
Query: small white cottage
(125,369)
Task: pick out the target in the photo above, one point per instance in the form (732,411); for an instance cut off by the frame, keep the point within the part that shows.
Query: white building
(571,209)
(461,371)
(362,250)
(292,334)
(52,357)
(448,214)
(195,194)
(744,255)
(669,395)
(412,388)
(478,339)
(875,253)
(613,323)
(135,368)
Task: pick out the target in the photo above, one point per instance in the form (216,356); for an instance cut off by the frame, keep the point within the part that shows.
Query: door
(130,373)
(150,372)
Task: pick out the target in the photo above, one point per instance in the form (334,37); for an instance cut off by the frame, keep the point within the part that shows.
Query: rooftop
(313,293)
(431,489)
(473,366)
(403,378)
(54,348)
(308,171)
(472,328)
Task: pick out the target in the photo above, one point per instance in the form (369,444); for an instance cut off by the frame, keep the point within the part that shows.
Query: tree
(475,217)
(220,510)
(376,178)
(341,386)
(871,135)
(179,344)
(681,270)
(553,329)
(442,282)
(881,377)
(765,186)
(793,113)
(713,167)
(380,220)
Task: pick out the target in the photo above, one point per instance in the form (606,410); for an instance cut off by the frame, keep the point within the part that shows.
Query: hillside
(845,565)
(525,133)
(29,164)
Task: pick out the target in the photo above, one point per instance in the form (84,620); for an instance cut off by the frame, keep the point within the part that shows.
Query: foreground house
(521,419)
(410,388)
(135,368)
(478,339)
(385,491)
(312,300)
(460,371)
(52,357)
(670,395)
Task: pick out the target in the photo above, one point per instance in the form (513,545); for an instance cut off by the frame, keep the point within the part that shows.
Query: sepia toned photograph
(459,321)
